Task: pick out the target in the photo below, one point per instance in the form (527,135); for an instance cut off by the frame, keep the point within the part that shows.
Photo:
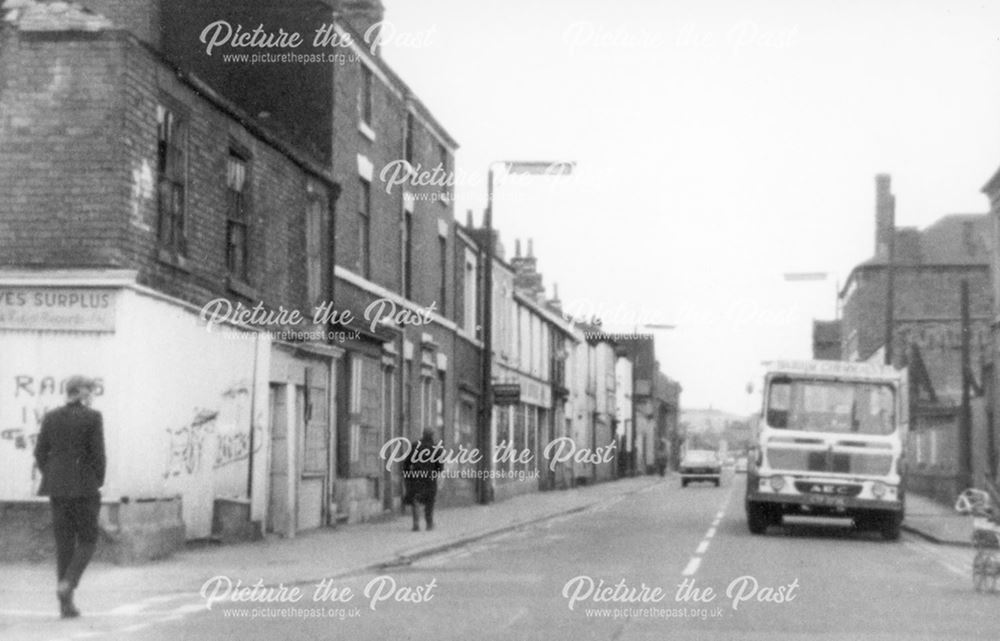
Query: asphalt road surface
(675,564)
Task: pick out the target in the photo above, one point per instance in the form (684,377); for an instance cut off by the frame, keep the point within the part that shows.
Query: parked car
(701,465)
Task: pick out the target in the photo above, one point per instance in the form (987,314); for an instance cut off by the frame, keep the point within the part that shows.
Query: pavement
(937,522)
(324,553)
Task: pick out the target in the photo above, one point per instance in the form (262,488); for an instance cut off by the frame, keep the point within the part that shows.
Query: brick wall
(927,313)
(78,156)
(63,187)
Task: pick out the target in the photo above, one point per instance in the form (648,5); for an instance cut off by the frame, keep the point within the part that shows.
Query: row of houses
(217,243)
(905,305)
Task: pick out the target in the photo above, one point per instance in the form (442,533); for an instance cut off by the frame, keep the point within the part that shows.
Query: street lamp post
(485,439)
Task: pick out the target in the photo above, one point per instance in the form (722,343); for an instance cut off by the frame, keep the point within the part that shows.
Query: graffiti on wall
(217,433)
(31,397)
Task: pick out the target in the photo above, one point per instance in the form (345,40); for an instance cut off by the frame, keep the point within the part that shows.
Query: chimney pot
(517,248)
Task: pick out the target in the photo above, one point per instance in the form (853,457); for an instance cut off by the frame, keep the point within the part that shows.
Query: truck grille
(802,460)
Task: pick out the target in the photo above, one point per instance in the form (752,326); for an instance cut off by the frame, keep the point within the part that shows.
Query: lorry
(830,441)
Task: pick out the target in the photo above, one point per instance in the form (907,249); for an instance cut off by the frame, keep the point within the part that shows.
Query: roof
(955,239)
(32,15)
(837,369)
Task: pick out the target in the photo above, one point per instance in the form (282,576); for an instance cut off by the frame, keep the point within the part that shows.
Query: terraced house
(146,180)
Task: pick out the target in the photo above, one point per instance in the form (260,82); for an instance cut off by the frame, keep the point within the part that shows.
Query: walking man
(420,475)
(70,456)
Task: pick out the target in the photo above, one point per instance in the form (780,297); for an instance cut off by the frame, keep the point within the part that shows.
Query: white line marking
(692,566)
(702,547)
(517,617)
(172,617)
(136,627)
(710,533)
(721,513)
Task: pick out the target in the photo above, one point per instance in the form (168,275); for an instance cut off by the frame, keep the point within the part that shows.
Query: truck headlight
(777,483)
(879,489)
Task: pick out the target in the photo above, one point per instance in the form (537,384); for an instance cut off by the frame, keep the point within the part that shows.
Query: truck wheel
(890,526)
(684,483)
(758,518)
(717,481)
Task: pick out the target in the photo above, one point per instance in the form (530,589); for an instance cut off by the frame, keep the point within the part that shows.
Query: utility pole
(965,419)
(485,440)
(890,283)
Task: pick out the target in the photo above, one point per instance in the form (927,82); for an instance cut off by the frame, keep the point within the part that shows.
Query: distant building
(986,443)
(826,340)
(928,267)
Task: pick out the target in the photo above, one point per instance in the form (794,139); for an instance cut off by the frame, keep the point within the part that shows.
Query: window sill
(366,130)
(239,287)
(173,259)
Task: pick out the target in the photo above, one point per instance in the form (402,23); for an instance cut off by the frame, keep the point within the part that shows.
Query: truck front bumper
(825,495)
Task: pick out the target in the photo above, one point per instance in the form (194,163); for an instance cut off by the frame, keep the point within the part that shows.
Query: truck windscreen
(831,406)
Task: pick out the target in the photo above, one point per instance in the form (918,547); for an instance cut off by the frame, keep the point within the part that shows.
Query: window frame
(366,96)
(169,173)
(239,200)
(364,226)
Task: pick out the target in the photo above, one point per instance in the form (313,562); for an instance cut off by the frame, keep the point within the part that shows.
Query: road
(807,579)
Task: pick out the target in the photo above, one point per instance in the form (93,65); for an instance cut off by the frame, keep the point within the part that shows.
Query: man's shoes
(416,528)
(67,610)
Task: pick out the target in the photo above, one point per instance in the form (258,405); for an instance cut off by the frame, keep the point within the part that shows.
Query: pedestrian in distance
(420,475)
(70,455)
(661,456)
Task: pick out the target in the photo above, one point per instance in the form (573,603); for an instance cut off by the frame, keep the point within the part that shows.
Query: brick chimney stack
(362,15)
(885,215)
(526,276)
(554,302)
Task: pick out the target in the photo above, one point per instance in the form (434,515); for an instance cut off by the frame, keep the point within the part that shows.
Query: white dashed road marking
(695,562)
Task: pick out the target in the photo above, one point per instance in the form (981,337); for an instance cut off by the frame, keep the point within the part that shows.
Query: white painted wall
(176,402)
(187,410)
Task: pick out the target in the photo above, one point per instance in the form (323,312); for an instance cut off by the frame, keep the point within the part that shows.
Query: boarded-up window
(315,449)
(365,415)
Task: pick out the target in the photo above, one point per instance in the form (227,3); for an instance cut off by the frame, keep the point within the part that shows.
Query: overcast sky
(719,145)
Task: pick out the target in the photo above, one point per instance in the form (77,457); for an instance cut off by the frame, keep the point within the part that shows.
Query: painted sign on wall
(67,309)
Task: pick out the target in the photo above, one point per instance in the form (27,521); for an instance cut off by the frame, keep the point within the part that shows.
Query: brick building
(986,443)
(134,194)
(531,350)
(929,267)
(395,242)
(826,340)
(154,181)
(656,399)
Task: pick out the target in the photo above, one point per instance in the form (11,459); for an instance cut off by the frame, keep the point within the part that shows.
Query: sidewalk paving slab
(937,522)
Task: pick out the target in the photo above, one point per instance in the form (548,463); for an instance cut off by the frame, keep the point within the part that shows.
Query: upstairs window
(365,96)
(364,227)
(171,134)
(408,139)
(316,226)
(237,215)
